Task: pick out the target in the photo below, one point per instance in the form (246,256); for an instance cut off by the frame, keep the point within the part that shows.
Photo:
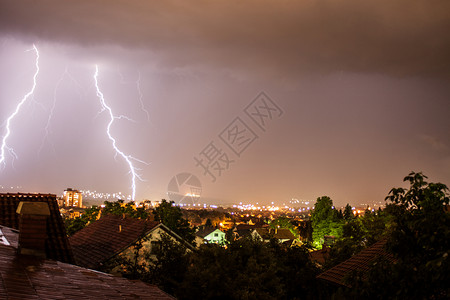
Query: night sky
(283,99)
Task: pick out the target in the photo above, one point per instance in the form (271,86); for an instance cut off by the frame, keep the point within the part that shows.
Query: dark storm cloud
(399,38)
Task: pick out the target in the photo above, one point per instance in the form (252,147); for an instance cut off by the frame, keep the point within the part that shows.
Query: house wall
(146,252)
(217,237)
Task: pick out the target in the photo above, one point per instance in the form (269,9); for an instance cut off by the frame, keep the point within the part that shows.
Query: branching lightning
(138,86)
(129,159)
(52,109)
(4,146)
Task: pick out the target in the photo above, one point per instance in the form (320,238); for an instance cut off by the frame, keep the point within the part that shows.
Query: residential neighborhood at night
(224,149)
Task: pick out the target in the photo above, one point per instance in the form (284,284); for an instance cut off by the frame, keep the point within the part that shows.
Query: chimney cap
(33,208)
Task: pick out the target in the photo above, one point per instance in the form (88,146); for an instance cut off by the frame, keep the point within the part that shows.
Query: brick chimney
(32,227)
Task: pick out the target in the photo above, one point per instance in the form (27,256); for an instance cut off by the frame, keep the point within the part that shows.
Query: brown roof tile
(57,245)
(102,239)
(360,262)
(280,233)
(320,256)
(29,277)
(205,231)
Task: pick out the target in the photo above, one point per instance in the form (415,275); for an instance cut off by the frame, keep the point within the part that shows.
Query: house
(27,276)
(359,263)
(56,243)
(243,230)
(72,212)
(319,257)
(210,235)
(283,235)
(110,236)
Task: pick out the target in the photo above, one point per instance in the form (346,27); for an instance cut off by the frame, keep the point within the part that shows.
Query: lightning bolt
(129,159)
(4,146)
(52,109)
(138,86)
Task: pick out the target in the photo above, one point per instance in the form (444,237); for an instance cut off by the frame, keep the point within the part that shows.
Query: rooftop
(360,262)
(206,231)
(30,277)
(279,233)
(102,239)
(57,245)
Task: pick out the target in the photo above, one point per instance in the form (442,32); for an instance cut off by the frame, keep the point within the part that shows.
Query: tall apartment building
(73,198)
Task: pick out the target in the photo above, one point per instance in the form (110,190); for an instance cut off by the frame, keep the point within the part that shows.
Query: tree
(168,266)
(348,212)
(419,240)
(171,216)
(121,208)
(284,222)
(73,225)
(165,267)
(208,223)
(323,209)
(90,215)
(325,221)
(249,269)
(357,233)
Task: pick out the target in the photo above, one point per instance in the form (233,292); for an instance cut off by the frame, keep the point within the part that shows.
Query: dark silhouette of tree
(171,216)
(73,225)
(164,266)
(168,265)
(249,269)
(358,233)
(121,208)
(348,212)
(284,222)
(419,239)
(208,223)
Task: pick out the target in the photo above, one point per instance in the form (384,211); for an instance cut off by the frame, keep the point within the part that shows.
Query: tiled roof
(320,256)
(280,233)
(57,245)
(245,227)
(29,277)
(244,230)
(102,239)
(205,231)
(360,263)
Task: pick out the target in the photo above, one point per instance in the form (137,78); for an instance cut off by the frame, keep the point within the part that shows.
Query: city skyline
(261,102)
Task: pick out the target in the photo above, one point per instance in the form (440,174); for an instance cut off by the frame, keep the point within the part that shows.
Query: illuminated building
(73,198)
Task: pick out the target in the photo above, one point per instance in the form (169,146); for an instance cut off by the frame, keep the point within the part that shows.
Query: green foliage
(168,265)
(171,216)
(91,214)
(348,212)
(200,216)
(249,269)
(284,222)
(419,240)
(323,210)
(129,209)
(76,224)
(132,264)
(325,221)
(357,234)
(164,267)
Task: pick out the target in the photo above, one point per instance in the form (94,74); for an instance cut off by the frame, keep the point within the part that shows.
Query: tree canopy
(171,216)
(325,221)
(419,239)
